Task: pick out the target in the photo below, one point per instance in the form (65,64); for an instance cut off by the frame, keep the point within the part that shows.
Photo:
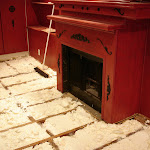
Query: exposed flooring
(35,115)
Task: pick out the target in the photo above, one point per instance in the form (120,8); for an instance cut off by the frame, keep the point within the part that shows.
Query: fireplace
(101,54)
(82,76)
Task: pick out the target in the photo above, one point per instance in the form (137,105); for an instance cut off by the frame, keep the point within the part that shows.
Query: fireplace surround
(110,32)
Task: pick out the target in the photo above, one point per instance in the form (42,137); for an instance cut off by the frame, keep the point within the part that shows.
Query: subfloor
(35,115)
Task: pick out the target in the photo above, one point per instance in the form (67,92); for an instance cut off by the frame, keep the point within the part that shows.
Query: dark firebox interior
(82,76)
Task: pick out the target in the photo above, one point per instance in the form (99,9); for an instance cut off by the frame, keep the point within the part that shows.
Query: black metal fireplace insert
(82,76)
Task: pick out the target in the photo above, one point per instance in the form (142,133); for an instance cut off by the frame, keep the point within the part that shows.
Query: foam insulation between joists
(41,96)
(15,109)
(21,65)
(6,70)
(15,138)
(137,141)
(69,121)
(9,120)
(96,135)
(4,93)
(18,79)
(33,85)
(44,146)
(9,105)
(51,108)
(10,114)
(1,86)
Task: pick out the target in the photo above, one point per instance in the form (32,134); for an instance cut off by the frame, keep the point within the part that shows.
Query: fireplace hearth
(82,76)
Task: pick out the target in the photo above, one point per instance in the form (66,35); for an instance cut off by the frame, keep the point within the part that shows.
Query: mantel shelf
(106,26)
(41,28)
(42,3)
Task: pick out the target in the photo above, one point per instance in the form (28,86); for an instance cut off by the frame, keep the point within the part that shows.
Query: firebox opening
(82,76)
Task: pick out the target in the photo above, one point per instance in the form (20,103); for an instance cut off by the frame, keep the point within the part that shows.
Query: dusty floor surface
(34,115)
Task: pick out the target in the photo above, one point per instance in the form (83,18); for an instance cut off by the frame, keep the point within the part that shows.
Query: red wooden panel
(145,96)
(1,37)
(14,27)
(37,41)
(52,53)
(129,67)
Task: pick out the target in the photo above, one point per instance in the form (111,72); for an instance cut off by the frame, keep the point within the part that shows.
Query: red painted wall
(14,37)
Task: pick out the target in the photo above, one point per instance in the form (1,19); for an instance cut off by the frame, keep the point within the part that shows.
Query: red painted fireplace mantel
(115,31)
